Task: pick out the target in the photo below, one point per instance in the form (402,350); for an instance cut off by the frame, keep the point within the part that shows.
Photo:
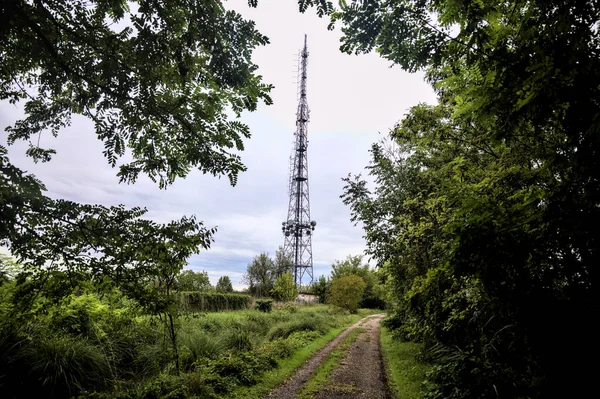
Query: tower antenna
(298,227)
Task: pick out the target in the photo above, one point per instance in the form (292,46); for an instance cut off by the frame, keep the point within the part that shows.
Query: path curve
(290,388)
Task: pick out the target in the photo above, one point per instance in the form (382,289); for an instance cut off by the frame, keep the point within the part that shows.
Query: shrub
(290,307)
(265,305)
(284,289)
(196,345)
(239,339)
(347,292)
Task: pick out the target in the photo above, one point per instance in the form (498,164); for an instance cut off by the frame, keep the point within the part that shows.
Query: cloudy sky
(354,100)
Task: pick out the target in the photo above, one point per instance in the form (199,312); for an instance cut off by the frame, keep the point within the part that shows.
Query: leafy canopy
(164,83)
(157,79)
(189,280)
(484,208)
(347,292)
(260,275)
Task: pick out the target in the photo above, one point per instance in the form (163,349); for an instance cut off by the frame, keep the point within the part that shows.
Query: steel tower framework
(298,228)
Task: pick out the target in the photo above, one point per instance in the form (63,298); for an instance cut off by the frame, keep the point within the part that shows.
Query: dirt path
(359,375)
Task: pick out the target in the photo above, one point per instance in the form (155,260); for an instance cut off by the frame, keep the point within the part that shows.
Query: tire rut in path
(360,373)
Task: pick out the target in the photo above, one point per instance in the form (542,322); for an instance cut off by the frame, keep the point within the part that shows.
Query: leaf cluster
(482,205)
(157,79)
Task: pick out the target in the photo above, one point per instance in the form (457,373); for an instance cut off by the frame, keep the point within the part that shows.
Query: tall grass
(101,351)
(65,366)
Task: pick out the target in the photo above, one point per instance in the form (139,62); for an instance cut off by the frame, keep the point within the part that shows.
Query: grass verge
(273,378)
(405,373)
(321,376)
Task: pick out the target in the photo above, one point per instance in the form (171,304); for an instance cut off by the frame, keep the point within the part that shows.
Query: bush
(239,338)
(284,289)
(347,292)
(290,307)
(198,344)
(265,305)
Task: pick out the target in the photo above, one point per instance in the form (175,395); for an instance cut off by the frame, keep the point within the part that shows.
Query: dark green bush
(265,305)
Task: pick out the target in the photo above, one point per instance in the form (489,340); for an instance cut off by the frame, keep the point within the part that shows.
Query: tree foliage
(283,262)
(284,288)
(347,292)
(224,285)
(373,293)
(189,280)
(483,213)
(159,80)
(322,289)
(164,83)
(260,275)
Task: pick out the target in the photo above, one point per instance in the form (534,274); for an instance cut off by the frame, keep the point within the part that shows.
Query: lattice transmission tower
(298,227)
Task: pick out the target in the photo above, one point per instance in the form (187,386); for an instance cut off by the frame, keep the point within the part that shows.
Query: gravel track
(359,375)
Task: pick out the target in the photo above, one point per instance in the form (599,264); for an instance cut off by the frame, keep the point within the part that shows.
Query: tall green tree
(159,81)
(164,82)
(260,275)
(484,206)
(283,262)
(224,284)
(284,288)
(189,280)
(322,289)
